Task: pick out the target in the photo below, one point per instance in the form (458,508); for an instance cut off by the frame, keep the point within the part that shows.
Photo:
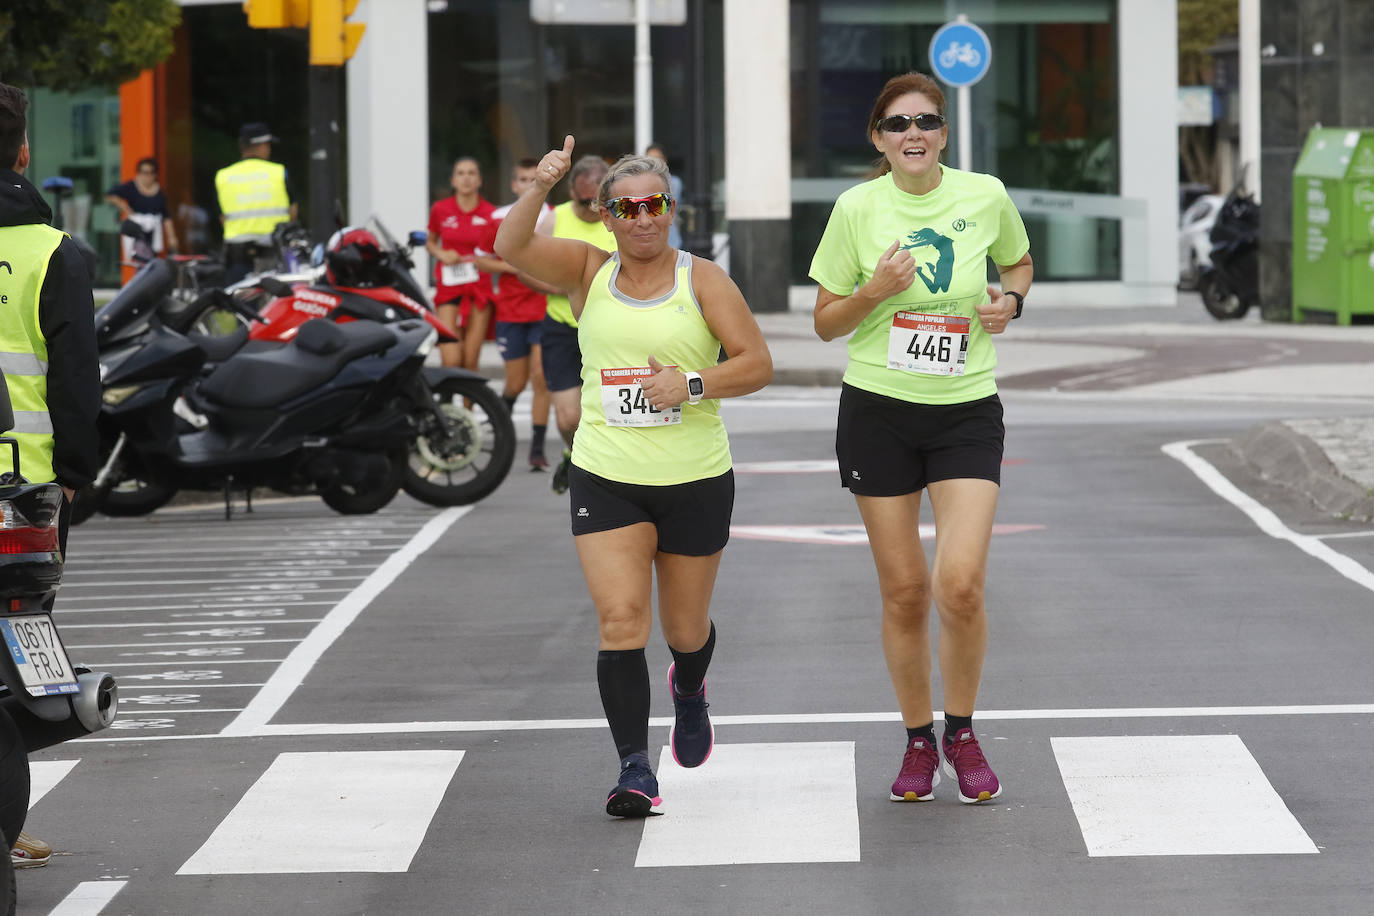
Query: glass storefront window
(76,135)
(1043,118)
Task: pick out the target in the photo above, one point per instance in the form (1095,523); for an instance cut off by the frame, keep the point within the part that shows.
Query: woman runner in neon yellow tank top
(651,486)
(902,266)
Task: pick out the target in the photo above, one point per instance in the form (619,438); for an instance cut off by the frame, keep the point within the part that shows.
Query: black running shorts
(890,447)
(562,356)
(692,518)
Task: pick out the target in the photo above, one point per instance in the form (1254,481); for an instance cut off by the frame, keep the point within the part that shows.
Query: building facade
(761,105)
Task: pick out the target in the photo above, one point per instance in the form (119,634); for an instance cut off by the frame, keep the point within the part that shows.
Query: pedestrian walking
(457,226)
(902,266)
(47,347)
(576,218)
(520,307)
(651,484)
(142,200)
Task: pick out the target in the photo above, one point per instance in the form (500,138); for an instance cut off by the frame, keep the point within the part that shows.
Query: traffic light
(277,14)
(332,40)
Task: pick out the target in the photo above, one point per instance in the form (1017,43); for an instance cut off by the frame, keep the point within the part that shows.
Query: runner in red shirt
(520,306)
(457,225)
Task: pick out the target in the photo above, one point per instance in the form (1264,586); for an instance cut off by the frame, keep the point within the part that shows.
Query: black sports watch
(1020,301)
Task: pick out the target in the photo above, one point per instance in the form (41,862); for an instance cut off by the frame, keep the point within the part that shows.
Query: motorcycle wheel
(468,457)
(348,499)
(1221,301)
(135,497)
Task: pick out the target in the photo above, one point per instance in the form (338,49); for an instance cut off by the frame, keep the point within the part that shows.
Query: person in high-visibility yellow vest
(47,348)
(254,197)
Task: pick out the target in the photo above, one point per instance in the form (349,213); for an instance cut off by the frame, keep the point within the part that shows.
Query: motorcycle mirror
(418,238)
(274,286)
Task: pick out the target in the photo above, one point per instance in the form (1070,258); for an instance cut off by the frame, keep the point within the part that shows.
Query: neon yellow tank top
(568,225)
(620,436)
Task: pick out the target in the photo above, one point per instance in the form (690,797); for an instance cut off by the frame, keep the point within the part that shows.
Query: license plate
(37,652)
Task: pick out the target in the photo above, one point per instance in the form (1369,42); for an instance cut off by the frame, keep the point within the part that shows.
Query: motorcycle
(335,411)
(459,443)
(44,698)
(1230,284)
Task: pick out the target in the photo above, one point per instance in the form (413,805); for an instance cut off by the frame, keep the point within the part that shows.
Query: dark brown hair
(13,124)
(895,88)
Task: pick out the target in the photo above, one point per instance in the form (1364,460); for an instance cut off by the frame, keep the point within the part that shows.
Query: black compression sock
(954,723)
(623,676)
(537,438)
(690,667)
(921,731)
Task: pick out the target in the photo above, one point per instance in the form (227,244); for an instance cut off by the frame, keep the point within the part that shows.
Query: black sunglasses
(898,124)
(586,202)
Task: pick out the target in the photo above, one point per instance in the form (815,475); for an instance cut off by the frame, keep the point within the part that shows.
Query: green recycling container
(1333,226)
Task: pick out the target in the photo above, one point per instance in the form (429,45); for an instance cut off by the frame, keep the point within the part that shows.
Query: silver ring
(550,168)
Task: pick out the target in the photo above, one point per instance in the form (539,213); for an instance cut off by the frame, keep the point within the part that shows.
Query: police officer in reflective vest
(47,327)
(254,196)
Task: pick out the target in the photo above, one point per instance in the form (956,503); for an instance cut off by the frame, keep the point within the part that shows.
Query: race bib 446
(928,344)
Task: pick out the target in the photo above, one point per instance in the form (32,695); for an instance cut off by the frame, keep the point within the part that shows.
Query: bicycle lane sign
(960,53)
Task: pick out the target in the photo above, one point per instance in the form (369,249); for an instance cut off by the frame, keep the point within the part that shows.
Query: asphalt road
(398,714)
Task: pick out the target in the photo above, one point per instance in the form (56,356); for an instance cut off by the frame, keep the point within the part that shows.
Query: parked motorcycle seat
(318,352)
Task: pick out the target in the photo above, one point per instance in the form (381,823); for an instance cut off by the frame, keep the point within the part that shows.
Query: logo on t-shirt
(942,271)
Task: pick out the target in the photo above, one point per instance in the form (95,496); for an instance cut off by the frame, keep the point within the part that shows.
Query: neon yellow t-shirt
(568,225)
(951,232)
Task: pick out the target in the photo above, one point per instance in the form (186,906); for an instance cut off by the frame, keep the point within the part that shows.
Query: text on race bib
(928,344)
(623,401)
(458,274)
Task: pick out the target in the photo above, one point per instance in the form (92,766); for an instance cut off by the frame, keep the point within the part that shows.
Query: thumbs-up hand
(666,388)
(555,165)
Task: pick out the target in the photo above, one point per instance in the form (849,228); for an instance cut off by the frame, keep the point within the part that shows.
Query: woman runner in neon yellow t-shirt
(903,267)
(651,487)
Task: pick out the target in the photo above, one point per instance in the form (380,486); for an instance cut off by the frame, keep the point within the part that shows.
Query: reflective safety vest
(252,197)
(24,255)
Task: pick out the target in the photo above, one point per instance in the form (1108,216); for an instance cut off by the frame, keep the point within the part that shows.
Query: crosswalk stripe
(44,774)
(732,811)
(1175,795)
(343,811)
(88,898)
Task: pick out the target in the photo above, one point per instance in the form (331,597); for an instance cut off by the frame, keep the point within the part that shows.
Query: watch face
(696,387)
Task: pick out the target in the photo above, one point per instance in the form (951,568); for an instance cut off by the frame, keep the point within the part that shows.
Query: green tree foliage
(73,44)
(1201,24)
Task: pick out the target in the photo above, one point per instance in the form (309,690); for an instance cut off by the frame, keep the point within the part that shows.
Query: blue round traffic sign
(960,53)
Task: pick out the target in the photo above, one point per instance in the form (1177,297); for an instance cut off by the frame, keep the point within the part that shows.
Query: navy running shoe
(560,473)
(637,792)
(692,736)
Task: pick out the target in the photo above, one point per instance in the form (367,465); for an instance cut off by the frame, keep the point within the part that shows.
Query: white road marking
(305,729)
(839,534)
(1265,519)
(44,774)
(89,898)
(787,467)
(291,674)
(339,811)
(731,812)
(1175,795)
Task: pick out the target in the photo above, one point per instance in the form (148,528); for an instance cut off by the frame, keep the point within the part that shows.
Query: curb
(1286,457)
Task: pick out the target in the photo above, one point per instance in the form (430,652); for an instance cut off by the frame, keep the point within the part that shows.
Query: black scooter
(1230,284)
(44,698)
(333,412)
